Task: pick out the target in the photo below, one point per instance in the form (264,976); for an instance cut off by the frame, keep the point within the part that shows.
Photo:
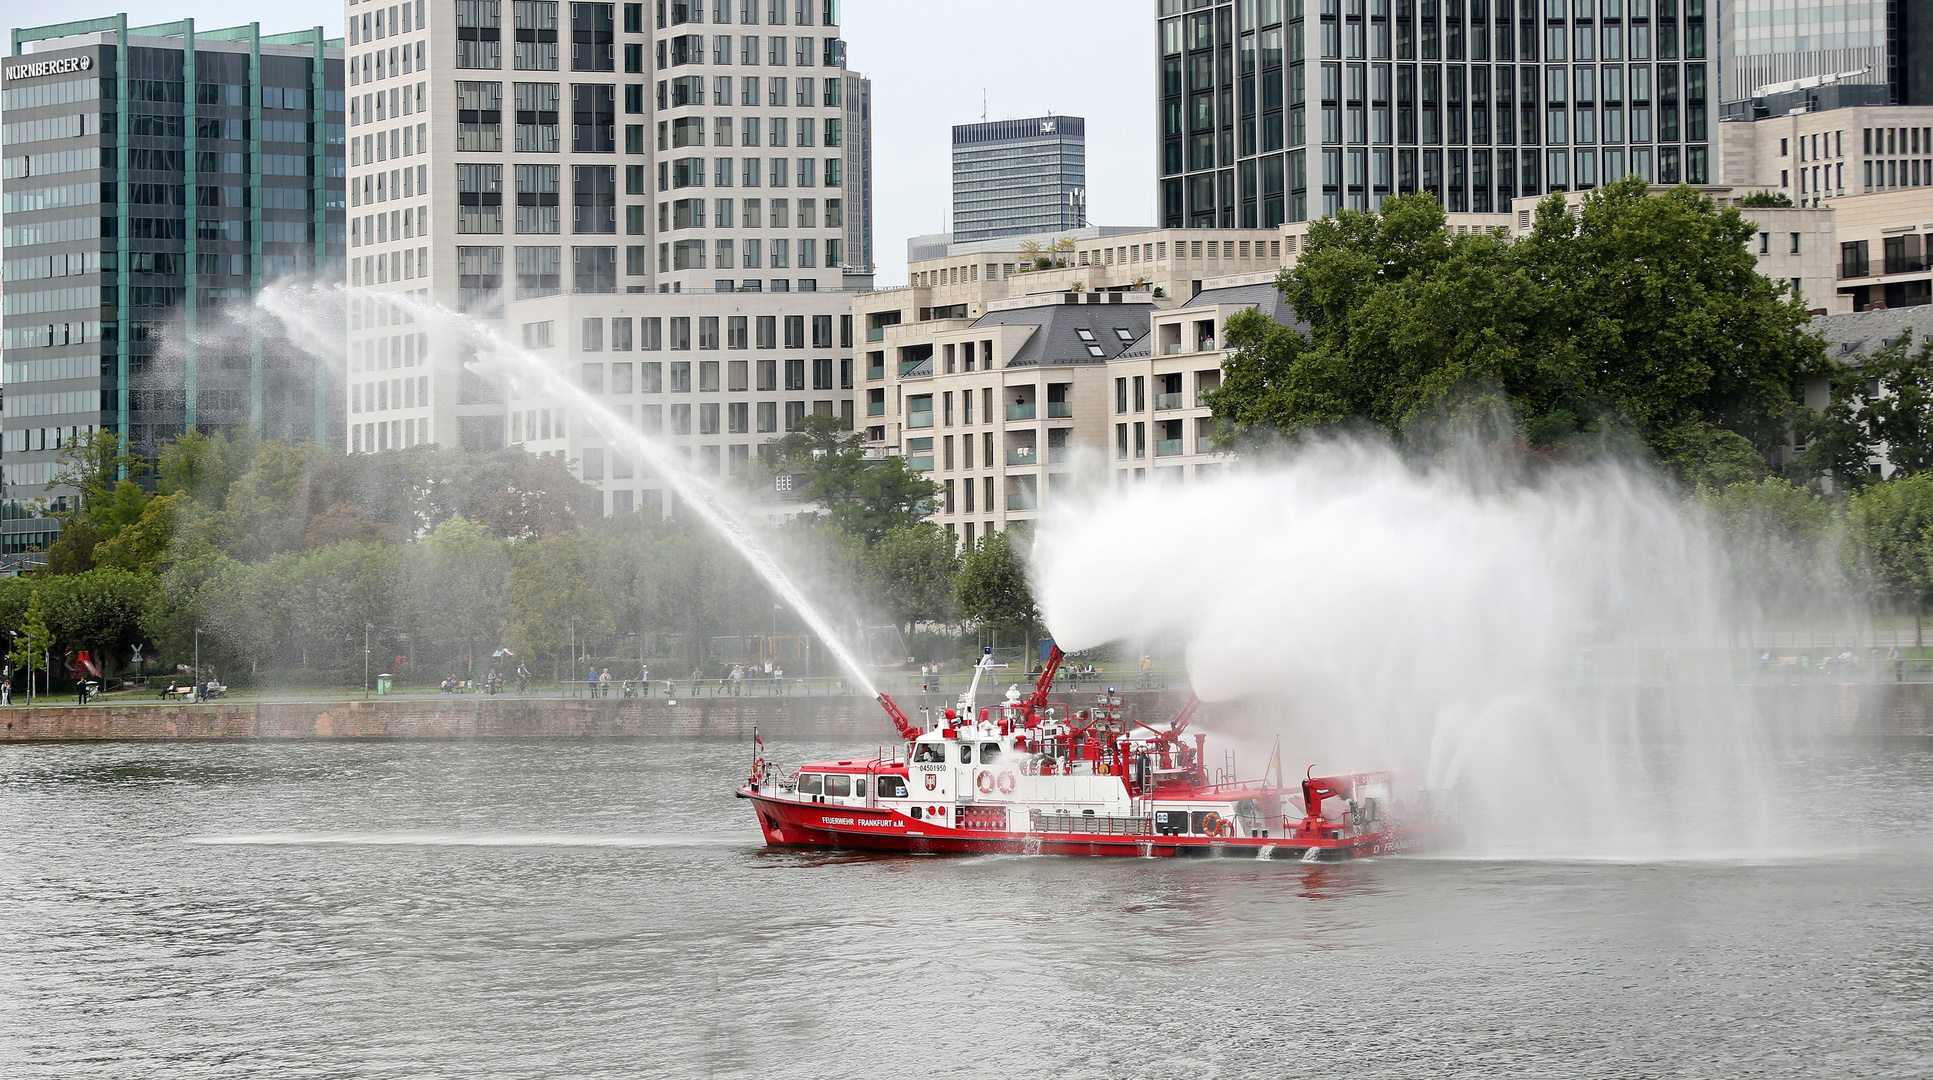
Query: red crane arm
(1045,683)
(906,729)
(1186,714)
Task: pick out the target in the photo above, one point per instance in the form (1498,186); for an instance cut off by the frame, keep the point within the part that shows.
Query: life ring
(984,782)
(1100,768)
(1212,824)
(1006,782)
(1226,828)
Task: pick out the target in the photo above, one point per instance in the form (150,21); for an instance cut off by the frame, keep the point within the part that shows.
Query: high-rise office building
(683,247)
(1878,51)
(1282,110)
(155,178)
(1012,177)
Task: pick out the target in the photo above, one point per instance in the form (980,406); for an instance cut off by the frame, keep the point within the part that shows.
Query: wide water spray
(1516,638)
(494,355)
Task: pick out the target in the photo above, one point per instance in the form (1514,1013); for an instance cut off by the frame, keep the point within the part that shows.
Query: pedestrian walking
(697,680)
(604,683)
(590,682)
(644,678)
(1899,664)
(778,679)
(738,679)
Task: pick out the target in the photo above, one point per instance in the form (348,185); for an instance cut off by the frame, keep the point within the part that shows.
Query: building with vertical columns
(1273,111)
(685,247)
(155,178)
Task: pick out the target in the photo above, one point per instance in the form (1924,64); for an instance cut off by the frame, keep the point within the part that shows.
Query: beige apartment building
(667,203)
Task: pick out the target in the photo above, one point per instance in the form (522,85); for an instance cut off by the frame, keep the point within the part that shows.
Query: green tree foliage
(1755,199)
(992,589)
(458,582)
(33,639)
(1783,541)
(1877,404)
(911,571)
(1889,550)
(868,497)
(1636,312)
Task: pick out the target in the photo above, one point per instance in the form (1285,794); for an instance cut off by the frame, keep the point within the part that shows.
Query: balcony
(1023,500)
(1167,447)
(1168,401)
(910,367)
(1022,455)
(919,419)
(923,463)
(1023,411)
(875,333)
(876,371)
(1206,445)
(1060,410)
(875,408)
(1056,455)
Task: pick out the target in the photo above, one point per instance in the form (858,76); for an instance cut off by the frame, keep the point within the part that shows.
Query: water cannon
(905,726)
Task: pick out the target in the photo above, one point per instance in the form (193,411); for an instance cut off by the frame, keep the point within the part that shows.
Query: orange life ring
(1226,828)
(984,782)
(1100,768)
(1006,782)
(1212,824)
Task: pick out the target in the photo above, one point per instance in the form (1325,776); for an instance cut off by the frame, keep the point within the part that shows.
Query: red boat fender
(1006,783)
(984,782)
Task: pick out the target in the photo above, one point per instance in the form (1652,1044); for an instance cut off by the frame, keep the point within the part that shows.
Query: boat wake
(428,839)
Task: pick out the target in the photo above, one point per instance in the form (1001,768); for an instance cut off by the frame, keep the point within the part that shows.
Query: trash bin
(382,683)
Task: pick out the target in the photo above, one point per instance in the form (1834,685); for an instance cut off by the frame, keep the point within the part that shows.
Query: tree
(553,587)
(991,587)
(911,571)
(1878,404)
(1888,550)
(1756,199)
(33,640)
(868,497)
(457,581)
(1632,312)
(100,610)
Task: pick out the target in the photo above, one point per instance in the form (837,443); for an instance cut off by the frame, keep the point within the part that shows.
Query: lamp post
(197,663)
(571,672)
(366,628)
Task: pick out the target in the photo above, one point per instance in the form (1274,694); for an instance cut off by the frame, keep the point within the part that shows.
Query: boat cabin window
(838,784)
(859,787)
(892,787)
(966,753)
(989,753)
(811,784)
(930,751)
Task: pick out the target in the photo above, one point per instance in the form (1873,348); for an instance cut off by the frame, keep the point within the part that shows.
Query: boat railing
(1100,824)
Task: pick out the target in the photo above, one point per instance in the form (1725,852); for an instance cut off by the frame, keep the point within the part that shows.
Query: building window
(594,199)
(591,37)
(479,34)
(479,198)
(479,116)
(594,269)
(538,272)
(536,29)
(537,198)
(536,117)
(593,116)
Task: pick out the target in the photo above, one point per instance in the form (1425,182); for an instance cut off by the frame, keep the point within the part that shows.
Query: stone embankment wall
(1883,710)
(791,718)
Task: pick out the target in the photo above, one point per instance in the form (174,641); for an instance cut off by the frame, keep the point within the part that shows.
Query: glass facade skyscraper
(1012,177)
(1282,110)
(155,178)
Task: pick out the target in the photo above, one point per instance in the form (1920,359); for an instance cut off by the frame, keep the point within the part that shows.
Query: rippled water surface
(607,910)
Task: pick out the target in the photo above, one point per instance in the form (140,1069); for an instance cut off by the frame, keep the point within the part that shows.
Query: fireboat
(1030,776)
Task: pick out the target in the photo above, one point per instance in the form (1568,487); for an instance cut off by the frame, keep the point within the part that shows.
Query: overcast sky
(929,63)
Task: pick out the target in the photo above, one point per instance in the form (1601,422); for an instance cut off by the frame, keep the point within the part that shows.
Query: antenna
(983,104)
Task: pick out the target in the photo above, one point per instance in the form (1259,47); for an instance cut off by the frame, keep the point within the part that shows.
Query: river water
(606,909)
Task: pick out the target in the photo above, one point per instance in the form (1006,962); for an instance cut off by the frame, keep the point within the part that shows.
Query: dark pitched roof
(1072,333)
(1862,333)
(1262,294)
